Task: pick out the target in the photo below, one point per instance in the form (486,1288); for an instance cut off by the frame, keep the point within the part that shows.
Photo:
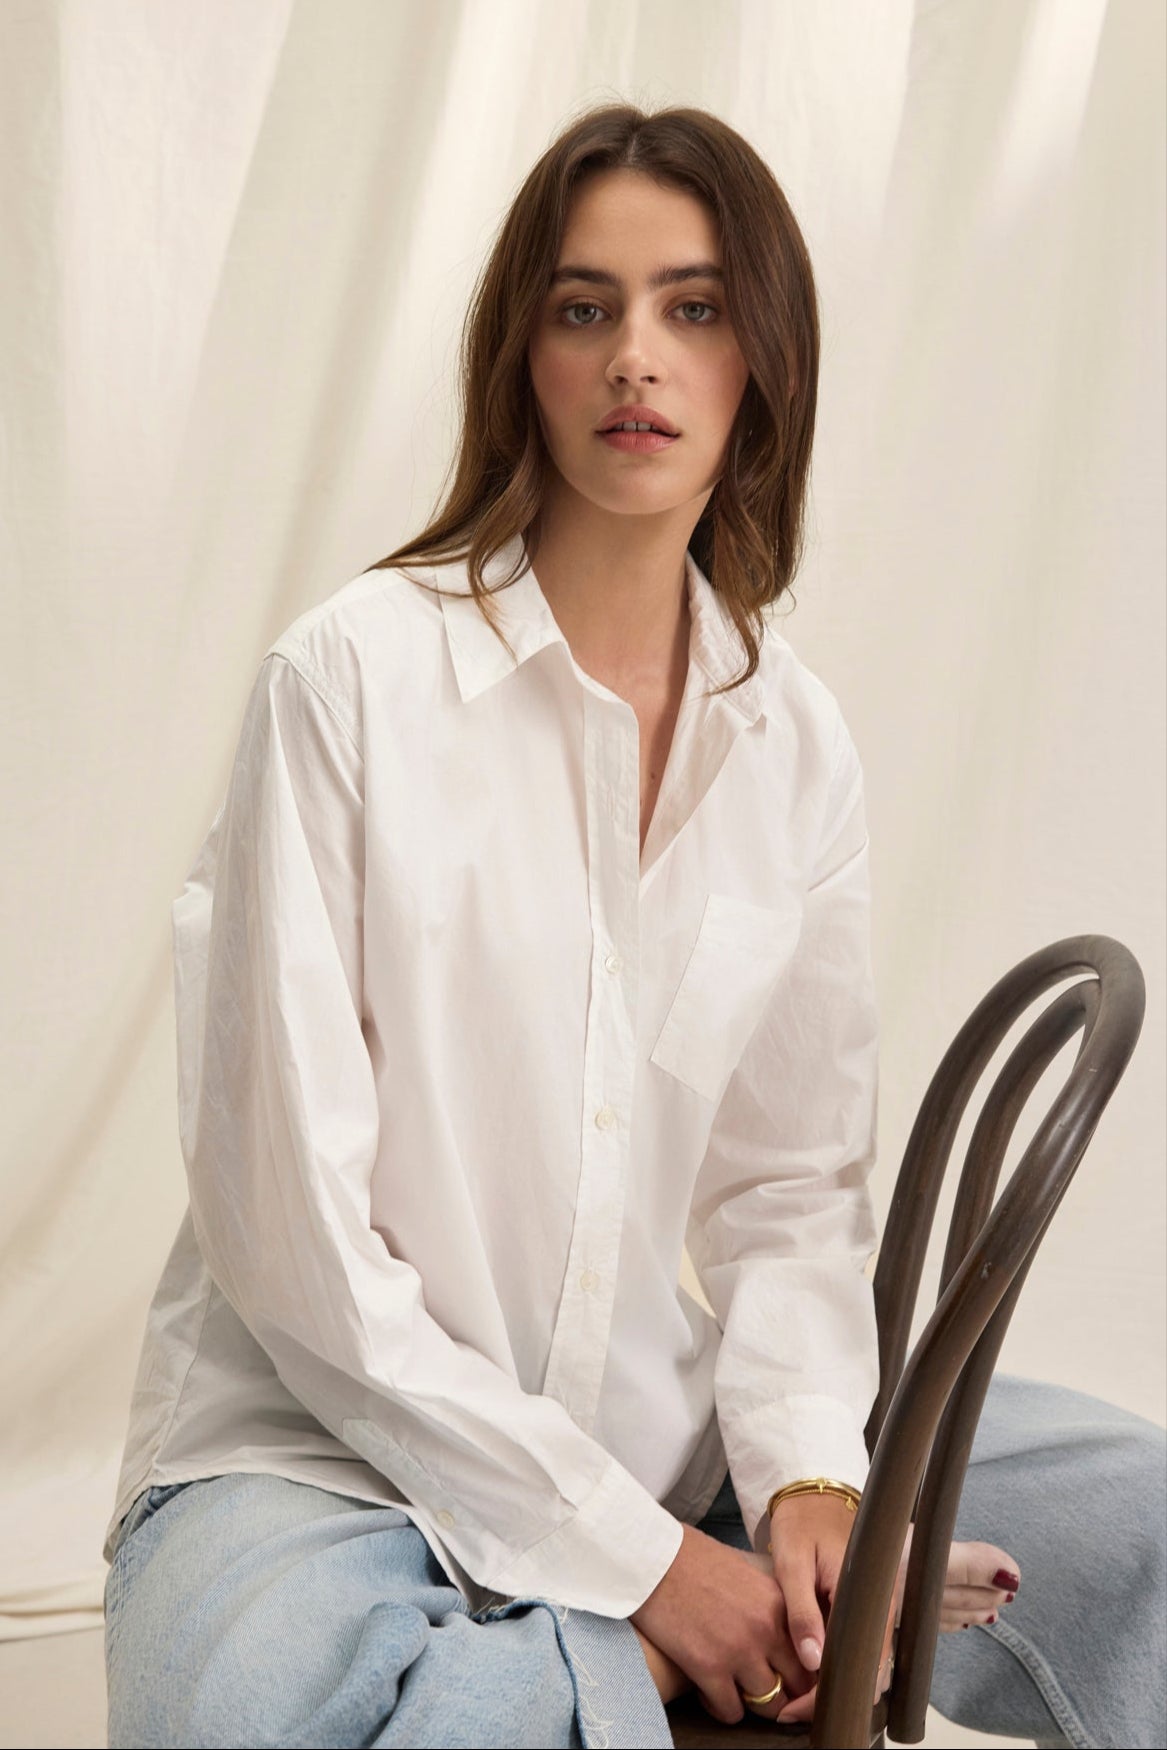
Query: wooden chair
(921,1427)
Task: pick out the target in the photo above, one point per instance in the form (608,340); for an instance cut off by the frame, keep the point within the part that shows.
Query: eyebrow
(663,276)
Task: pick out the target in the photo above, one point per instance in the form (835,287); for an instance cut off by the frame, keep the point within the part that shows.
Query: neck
(617,587)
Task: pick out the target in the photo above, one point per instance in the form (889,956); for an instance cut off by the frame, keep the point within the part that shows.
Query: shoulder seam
(315,678)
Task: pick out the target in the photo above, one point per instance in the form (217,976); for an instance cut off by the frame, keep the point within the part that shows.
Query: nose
(635,359)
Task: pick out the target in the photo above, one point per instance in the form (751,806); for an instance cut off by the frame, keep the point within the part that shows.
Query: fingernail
(1007,1581)
(1011,1597)
(810,1653)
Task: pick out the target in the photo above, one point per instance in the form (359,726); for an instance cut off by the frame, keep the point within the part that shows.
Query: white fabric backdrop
(238,242)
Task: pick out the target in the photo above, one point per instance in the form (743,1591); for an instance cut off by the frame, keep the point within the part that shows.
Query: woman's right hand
(723,1621)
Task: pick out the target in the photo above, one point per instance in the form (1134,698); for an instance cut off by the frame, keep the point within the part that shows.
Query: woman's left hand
(809,1535)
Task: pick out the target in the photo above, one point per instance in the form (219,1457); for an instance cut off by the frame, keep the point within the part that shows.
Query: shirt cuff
(613,1551)
(783,1442)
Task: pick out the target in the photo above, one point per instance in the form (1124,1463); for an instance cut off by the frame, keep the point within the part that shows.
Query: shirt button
(605,1118)
(445,1517)
(589,1280)
(613,963)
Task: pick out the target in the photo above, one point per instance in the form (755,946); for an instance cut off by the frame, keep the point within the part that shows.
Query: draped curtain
(237,244)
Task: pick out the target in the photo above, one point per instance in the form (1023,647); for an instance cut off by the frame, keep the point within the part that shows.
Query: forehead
(629,212)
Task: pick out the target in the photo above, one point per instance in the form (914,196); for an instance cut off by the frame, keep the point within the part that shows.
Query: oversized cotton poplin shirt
(460,1072)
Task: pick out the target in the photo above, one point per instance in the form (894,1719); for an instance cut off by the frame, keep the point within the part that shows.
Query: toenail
(1011,1597)
(1006,1580)
(966,1625)
(993,1618)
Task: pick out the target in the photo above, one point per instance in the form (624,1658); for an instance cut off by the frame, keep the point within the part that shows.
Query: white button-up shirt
(461,1071)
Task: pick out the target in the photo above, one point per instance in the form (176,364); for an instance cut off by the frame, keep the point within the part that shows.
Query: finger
(883,1675)
(802,1708)
(796,1573)
(723,1701)
(782,1661)
(760,1684)
(781,1655)
(726,1702)
(830,1566)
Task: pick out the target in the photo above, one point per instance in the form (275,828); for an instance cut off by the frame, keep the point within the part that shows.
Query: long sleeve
(281,1128)
(782,1226)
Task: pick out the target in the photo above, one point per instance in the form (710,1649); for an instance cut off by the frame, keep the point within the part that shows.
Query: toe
(965,1616)
(976,1600)
(983,1565)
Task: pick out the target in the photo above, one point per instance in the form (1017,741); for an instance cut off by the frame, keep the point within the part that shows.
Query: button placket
(579,1343)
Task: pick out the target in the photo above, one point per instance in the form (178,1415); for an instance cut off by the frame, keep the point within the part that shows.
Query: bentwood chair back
(921,1428)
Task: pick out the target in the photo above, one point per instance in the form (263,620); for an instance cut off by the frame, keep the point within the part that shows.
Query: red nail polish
(1007,1581)
(993,1618)
(966,1625)
(1011,1597)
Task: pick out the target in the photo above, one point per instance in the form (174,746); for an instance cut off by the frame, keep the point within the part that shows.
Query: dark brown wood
(694,1728)
(939,1499)
(922,1424)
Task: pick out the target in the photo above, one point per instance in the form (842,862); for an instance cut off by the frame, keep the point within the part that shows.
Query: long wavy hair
(749,539)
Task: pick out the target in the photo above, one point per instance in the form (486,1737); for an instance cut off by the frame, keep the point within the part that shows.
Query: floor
(52,1697)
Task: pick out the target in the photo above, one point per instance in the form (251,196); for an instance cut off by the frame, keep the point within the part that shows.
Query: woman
(531,941)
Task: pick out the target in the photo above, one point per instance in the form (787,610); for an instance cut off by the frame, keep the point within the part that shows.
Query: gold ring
(769,1695)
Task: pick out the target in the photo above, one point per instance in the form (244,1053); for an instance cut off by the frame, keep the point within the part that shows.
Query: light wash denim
(250,1610)
(1076,1490)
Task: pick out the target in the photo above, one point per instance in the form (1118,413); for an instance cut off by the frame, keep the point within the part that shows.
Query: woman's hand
(809,1534)
(720,1617)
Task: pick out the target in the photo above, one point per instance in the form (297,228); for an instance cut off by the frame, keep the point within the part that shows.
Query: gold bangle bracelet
(815,1486)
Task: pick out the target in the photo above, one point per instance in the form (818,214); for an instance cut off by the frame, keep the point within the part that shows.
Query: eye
(704,320)
(697,304)
(579,306)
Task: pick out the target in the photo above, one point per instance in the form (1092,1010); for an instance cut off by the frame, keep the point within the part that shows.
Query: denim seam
(112,1601)
(1052,1693)
(116,1583)
(593,1730)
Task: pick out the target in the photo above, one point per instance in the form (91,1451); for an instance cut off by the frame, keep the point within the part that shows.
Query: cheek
(727,386)
(557,380)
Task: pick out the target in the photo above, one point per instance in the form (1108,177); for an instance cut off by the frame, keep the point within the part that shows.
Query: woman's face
(609,337)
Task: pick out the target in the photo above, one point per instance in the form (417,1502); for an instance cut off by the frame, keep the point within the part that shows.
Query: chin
(643,497)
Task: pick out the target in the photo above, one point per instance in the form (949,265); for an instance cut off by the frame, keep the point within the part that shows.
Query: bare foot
(973,1589)
(980,1581)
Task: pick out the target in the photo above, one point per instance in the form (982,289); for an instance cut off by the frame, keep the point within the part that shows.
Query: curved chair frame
(921,1428)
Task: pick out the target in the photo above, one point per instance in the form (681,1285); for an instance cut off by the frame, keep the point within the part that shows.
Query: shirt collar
(525,616)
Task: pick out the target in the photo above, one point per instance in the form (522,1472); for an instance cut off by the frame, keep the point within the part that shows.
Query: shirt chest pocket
(737,959)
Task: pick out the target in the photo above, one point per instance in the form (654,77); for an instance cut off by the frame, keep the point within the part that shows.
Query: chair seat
(694,1728)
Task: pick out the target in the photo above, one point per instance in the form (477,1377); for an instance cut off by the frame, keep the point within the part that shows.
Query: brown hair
(749,539)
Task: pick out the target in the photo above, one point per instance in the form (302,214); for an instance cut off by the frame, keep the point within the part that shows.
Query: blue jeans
(1076,1490)
(250,1610)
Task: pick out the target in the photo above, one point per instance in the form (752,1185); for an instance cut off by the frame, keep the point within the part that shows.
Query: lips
(642,416)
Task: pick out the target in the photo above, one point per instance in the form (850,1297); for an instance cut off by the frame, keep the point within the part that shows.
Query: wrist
(810,1488)
(814,1486)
